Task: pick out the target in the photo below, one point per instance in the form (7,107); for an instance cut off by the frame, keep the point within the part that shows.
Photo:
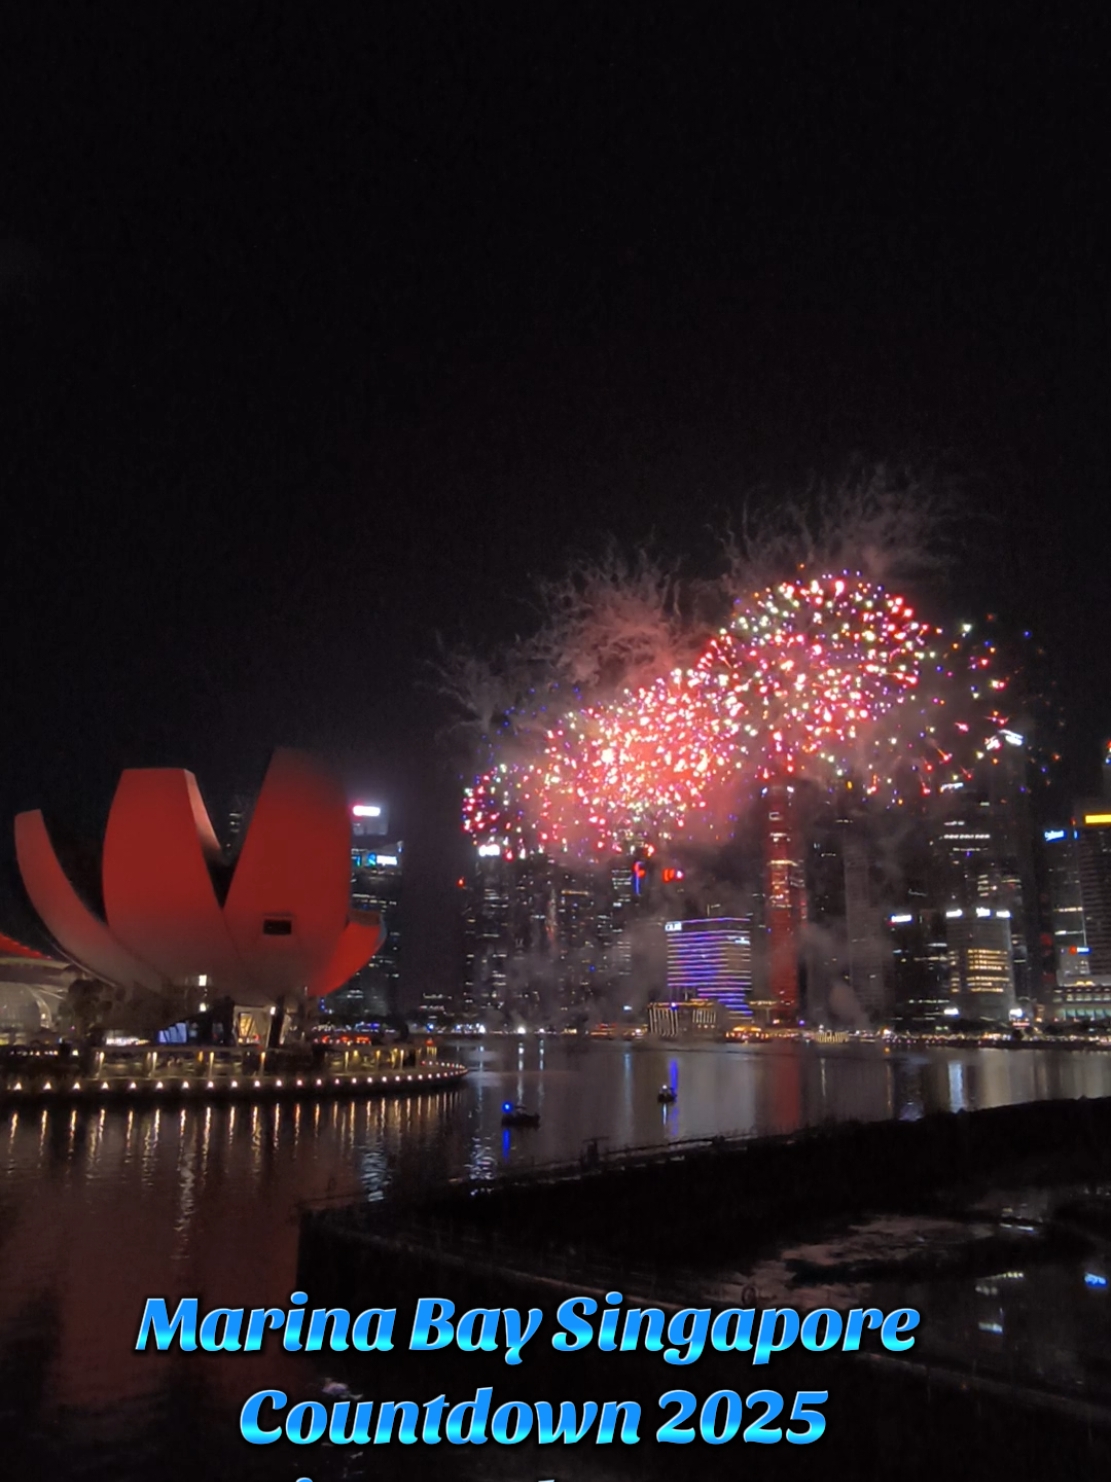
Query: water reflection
(101,1208)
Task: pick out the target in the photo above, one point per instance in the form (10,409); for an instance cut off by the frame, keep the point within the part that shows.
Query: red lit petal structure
(361,938)
(158,892)
(288,902)
(83,937)
(284,929)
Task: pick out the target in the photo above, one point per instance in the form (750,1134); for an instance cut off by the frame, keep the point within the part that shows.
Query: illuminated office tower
(375,992)
(618,925)
(981,963)
(847,890)
(965,845)
(921,973)
(983,858)
(542,943)
(508,926)
(1080,891)
(1093,854)
(710,958)
(1070,942)
(580,920)
(1078,873)
(486,935)
(784,900)
(590,937)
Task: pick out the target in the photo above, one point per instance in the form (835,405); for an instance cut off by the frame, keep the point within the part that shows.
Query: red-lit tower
(785,897)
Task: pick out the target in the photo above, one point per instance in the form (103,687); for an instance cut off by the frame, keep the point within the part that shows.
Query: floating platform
(79,1090)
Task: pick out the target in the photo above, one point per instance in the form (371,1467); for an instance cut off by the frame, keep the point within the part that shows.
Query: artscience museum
(169,924)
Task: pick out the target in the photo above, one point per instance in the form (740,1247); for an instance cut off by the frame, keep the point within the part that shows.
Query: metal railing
(594,1158)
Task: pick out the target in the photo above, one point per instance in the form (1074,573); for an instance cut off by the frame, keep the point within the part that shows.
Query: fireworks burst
(829,678)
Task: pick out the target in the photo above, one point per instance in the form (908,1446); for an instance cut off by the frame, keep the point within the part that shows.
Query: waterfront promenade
(163,1074)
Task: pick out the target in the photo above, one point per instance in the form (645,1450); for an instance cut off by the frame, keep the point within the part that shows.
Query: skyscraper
(982,865)
(784,899)
(1072,971)
(1078,875)
(921,969)
(543,942)
(981,964)
(847,946)
(711,958)
(1079,870)
(485,932)
(377,867)
(1092,823)
(511,918)
(617,923)
(377,877)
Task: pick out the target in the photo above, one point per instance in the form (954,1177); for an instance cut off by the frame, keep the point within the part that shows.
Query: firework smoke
(888,524)
(628,720)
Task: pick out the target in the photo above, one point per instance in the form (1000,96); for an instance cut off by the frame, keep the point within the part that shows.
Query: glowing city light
(829,678)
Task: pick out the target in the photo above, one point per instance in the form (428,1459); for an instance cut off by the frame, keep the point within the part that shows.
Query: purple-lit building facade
(711,958)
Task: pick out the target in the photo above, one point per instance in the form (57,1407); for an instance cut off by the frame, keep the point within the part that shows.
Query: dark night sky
(324,330)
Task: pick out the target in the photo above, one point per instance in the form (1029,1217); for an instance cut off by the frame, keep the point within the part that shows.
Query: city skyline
(977,908)
(282,415)
(557,716)
(953,915)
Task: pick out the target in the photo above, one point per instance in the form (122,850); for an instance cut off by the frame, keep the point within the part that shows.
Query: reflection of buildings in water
(106,1207)
(785,1111)
(196,1202)
(957,1095)
(845,1082)
(911,1093)
(481,1162)
(374,1172)
(1002,1081)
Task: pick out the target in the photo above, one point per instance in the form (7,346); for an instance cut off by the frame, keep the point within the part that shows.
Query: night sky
(326,331)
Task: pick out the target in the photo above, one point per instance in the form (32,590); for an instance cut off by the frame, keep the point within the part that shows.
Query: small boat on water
(518,1116)
(666,1095)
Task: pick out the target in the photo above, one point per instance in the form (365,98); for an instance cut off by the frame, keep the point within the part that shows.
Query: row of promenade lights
(353,1080)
